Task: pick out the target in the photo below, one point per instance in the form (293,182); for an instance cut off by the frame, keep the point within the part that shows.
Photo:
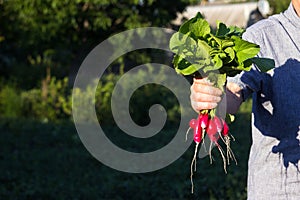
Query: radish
(198,125)
(219,123)
(225,128)
(215,128)
(193,123)
(214,133)
(212,130)
(204,120)
(230,55)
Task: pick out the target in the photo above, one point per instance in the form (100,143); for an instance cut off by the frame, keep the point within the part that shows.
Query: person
(273,165)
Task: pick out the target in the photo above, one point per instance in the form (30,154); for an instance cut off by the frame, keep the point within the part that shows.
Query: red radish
(215,128)
(197,138)
(225,128)
(204,120)
(198,130)
(219,123)
(193,123)
(196,125)
(212,131)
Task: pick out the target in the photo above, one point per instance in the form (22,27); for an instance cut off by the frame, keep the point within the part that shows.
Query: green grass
(48,161)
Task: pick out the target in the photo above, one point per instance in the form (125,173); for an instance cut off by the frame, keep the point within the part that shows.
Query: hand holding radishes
(210,57)
(204,95)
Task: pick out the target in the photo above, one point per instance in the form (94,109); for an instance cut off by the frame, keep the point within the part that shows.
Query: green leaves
(198,24)
(182,44)
(223,30)
(263,64)
(244,50)
(200,28)
(219,80)
(191,55)
(201,52)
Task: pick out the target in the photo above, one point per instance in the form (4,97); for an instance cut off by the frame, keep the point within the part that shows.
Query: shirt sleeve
(250,81)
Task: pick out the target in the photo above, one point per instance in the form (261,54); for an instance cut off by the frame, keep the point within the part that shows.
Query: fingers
(198,97)
(204,95)
(202,101)
(204,86)
(197,106)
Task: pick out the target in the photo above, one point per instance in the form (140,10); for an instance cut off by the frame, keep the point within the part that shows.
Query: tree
(55,32)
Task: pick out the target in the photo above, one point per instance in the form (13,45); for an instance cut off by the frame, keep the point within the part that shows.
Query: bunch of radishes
(216,54)
(215,128)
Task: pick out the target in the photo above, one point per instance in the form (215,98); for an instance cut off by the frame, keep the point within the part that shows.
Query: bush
(52,104)
(140,101)
(10,102)
(53,101)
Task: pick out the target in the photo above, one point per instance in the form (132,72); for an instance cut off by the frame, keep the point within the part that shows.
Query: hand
(204,95)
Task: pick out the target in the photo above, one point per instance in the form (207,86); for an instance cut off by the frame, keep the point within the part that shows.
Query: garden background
(42,44)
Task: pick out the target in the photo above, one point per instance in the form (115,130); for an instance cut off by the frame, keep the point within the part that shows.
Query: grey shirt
(273,170)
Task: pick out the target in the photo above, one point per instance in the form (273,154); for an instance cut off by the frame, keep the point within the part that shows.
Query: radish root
(229,152)
(194,162)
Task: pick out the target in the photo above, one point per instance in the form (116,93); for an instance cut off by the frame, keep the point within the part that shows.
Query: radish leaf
(264,64)
(200,28)
(197,48)
(244,50)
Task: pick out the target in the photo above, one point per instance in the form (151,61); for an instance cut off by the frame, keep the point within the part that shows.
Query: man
(273,171)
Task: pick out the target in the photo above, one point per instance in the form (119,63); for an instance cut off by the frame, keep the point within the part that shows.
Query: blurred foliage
(42,41)
(53,101)
(142,98)
(59,33)
(279,6)
(52,104)
(37,103)
(10,102)
(41,155)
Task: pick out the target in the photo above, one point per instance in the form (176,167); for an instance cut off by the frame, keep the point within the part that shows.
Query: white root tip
(187,132)
(223,157)
(209,152)
(192,164)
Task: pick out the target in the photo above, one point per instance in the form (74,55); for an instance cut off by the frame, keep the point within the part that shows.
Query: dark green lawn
(48,161)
